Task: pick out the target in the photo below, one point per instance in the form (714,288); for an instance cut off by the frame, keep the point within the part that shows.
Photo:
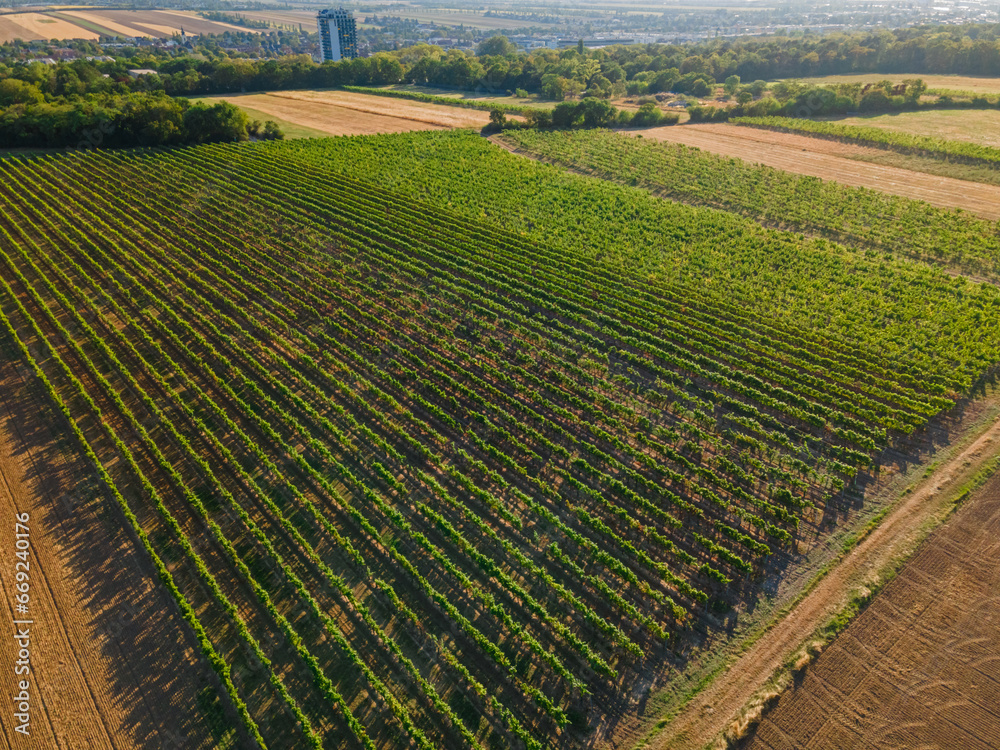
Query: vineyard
(434,460)
(855,216)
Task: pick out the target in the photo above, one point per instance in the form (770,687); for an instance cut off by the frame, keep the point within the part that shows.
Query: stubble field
(346,113)
(829,160)
(980,126)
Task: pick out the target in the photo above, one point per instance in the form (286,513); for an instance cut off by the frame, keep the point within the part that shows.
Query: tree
(565,115)
(600,86)
(498,120)
(915,87)
(14,91)
(647,116)
(151,120)
(272,132)
(554,86)
(222,122)
(538,118)
(498,45)
(732,83)
(700,87)
(597,113)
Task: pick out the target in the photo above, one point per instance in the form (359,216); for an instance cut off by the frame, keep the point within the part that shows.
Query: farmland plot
(414,478)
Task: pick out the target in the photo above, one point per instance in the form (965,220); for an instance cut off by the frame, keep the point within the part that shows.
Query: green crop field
(432,445)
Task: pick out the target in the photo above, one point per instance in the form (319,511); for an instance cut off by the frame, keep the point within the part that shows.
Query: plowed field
(921,666)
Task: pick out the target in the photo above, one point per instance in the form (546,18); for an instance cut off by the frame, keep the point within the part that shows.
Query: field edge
(931,473)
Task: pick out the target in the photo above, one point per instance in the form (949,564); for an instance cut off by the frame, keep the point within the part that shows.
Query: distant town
(256,30)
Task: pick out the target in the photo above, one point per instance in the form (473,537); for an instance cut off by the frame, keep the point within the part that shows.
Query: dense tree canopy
(132,120)
(615,70)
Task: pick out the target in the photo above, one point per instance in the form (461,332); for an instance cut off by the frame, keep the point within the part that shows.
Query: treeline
(617,70)
(132,120)
(795,99)
(590,112)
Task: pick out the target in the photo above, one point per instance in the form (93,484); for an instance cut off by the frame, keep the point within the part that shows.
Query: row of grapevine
(859,217)
(419,480)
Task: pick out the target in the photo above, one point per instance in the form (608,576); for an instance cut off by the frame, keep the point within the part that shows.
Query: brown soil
(713,710)
(920,667)
(830,160)
(112,665)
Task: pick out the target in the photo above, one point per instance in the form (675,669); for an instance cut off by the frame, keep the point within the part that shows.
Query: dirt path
(107,651)
(712,711)
(830,160)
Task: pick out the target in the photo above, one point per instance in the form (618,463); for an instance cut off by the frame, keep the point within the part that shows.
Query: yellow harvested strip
(107,23)
(41,26)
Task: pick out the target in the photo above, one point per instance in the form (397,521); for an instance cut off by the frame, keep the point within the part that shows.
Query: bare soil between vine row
(111,664)
(830,160)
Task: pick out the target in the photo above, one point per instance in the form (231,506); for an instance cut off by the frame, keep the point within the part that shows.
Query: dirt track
(921,666)
(830,160)
(711,712)
(111,666)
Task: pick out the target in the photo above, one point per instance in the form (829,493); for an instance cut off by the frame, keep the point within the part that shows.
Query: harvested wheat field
(106,644)
(29,26)
(10,29)
(158,23)
(830,160)
(343,113)
(974,126)
(422,112)
(921,666)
